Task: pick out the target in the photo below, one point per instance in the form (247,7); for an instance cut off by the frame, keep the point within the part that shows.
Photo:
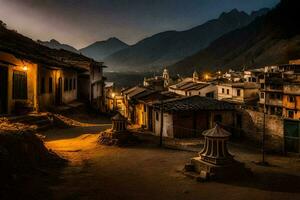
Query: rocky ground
(147,172)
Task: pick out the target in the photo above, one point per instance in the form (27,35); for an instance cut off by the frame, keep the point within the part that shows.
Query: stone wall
(252,126)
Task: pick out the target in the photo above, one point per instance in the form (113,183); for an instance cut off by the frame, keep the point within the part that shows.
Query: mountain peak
(233,13)
(101,49)
(54,44)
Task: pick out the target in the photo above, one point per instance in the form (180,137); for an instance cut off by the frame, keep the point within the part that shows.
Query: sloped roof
(216,132)
(194,103)
(25,48)
(189,85)
(131,92)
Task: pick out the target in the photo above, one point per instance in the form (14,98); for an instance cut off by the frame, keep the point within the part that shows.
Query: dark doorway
(3,90)
(150,118)
(292,136)
(59,92)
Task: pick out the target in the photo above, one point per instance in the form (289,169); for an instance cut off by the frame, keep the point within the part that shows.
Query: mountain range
(171,46)
(100,50)
(54,44)
(270,39)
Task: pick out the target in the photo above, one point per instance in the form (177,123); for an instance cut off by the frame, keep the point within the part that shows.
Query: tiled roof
(189,85)
(131,92)
(194,103)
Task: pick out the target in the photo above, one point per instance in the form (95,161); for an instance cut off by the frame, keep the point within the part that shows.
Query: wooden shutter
(19,85)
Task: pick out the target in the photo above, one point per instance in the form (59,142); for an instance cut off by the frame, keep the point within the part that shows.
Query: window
(291,99)
(278,96)
(19,85)
(66,84)
(262,86)
(74,83)
(227,91)
(262,95)
(156,116)
(291,114)
(272,110)
(70,84)
(199,93)
(238,92)
(43,85)
(223,90)
(50,85)
(272,96)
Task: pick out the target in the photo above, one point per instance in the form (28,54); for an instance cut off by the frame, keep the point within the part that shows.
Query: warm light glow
(206,76)
(25,68)
(219,72)
(113,95)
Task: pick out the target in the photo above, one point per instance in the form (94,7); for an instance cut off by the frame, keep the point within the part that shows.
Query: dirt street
(100,172)
(144,172)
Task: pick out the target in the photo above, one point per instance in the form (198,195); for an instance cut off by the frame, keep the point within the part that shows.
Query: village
(68,132)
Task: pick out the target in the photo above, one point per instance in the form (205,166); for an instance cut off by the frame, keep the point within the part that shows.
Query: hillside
(270,39)
(54,44)
(102,49)
(171,46)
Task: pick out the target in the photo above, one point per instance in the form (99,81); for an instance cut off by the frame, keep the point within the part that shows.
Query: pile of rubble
(109,137)
(8,127)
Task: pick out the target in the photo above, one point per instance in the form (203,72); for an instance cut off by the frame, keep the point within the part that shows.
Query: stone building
(238,93)
(189,116)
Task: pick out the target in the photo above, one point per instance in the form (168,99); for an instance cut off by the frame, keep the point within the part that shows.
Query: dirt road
(100,172)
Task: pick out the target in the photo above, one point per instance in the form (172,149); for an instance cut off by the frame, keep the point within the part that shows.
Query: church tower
(195,76)
(166,77)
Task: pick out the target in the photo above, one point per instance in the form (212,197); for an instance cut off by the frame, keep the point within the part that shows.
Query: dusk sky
(81,22)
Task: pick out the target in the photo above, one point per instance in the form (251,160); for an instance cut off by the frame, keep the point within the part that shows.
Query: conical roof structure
(217,132)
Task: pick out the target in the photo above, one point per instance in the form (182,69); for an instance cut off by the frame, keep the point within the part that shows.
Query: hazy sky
(81,22)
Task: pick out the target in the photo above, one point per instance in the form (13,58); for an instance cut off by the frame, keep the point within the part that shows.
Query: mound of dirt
(21,153)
